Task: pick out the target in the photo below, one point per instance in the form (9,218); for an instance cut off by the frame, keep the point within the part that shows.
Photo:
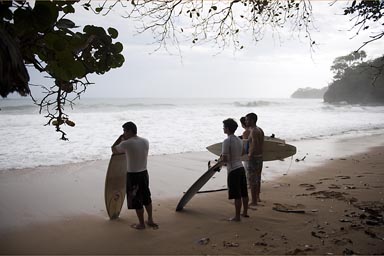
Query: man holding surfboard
(237,182)
(136,149)
(255,157)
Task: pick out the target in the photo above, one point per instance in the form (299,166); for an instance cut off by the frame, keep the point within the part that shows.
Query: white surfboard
(273,149)
(115,185)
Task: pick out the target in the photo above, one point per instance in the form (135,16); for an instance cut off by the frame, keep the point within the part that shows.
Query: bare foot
(152,224)
(245,215)
(138,226)
(252,206)
(234,219)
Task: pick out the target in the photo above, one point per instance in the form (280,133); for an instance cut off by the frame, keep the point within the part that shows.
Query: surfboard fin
(218,169)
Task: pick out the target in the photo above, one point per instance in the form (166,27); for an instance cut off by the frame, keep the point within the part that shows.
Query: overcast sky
(271,68)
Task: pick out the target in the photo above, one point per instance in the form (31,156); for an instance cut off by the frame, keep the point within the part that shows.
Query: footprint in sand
(308,186)
(343,177)
(326,179)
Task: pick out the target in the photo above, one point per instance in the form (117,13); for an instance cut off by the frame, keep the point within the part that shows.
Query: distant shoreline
(306,142)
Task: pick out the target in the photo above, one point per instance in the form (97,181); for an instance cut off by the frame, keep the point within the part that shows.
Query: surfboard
(115,185)
(273,149)
(197,186)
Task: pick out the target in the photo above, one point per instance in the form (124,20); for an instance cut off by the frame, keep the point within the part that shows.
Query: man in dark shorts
(138,192)
(237,182)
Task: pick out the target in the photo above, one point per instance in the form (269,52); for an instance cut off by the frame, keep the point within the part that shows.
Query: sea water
(171,125)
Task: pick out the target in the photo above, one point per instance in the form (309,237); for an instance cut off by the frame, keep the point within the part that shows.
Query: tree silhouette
(43,38)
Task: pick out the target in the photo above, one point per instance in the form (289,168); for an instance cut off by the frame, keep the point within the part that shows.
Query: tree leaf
(118,47)
(60,44)
(69,9)
(113,33)
(45,14)
(65,23)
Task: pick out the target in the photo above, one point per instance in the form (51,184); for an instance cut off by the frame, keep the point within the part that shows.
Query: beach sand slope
(335,208)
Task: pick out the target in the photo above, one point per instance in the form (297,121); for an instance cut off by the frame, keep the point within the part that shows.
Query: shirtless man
(255,157)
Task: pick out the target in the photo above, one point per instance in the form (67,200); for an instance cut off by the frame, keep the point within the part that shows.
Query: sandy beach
(332,202)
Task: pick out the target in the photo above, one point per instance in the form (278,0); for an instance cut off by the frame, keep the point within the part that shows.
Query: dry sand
(60,210)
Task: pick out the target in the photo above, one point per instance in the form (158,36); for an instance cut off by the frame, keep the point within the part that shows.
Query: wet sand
(330,203)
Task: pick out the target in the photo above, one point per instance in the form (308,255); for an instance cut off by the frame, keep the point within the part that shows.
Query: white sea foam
(171,125)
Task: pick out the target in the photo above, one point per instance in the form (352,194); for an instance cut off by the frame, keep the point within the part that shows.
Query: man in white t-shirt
(138,192)
(237,181)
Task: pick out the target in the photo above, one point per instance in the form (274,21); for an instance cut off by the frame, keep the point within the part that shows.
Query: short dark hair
(252,116)
(230,124)
(242,120)
(130,126)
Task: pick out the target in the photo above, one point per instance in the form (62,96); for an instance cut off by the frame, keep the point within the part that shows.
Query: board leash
(289,167)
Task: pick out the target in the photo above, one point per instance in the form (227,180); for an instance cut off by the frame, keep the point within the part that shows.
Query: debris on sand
(289,208)
(348,252)
(334,186)
(326,194)
(342,242)
(372,234)
(299,251)
(319,234)
(299,160)
(203,241)
(230,244)
(343,177)
(260,244)
(373,212)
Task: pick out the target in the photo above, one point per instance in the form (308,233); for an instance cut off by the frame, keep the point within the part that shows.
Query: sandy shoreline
(60,210)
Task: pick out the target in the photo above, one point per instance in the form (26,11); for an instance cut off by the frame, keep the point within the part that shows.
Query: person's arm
(245,148)
(224,158)
(254,142)
(117,142)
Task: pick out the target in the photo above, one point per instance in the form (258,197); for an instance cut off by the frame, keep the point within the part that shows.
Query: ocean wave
(348,132)
(18,109)
(171,125)
(258,103)
(107,107)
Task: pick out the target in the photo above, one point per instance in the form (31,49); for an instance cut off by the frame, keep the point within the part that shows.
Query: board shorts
(255,165)
(237,184)
(245,164)
(138,193)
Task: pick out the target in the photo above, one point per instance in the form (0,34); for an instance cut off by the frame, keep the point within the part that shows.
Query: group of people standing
(250,143)
(248,172)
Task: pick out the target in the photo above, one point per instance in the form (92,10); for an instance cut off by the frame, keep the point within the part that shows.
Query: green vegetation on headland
(357,82)
(309,93)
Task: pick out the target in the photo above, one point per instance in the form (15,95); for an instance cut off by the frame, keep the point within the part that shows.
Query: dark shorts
(255,165)
(138,193)
(237,184)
